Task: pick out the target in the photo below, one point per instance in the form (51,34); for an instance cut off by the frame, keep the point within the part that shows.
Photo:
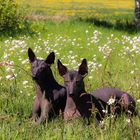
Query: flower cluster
(71,50)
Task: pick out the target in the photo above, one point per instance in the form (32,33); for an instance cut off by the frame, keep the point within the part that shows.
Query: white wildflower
(111,101)
(129,112)
(112,35)
(24,61)
(70,52)
(138,100)
(132,72)
(128,120)
(8,69)
(9,77)
(90,77)
(100,65)
(112,116)
(86,31)
(21,91)
(73,61)
(104,111)
(25,82)
(102,122)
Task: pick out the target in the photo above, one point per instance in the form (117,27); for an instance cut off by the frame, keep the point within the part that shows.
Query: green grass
(113,61)
(79,7)
(112,13)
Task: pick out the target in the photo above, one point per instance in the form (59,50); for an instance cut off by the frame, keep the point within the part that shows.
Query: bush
(12,17)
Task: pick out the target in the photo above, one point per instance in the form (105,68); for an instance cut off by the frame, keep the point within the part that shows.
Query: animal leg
(124,102)
(36,109)
(45,108)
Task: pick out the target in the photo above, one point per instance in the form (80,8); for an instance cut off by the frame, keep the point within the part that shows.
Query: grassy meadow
(99,9)
(113,56)
(113,61)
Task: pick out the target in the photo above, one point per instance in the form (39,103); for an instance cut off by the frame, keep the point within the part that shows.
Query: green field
(113,61)
(80,8)
(103,32)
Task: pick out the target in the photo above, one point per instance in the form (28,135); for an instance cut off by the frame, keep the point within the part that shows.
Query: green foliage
(118,53)
(12,17)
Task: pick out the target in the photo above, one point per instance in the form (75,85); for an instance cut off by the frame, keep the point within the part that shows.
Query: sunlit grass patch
(74,7)
(113,61)
(82,3)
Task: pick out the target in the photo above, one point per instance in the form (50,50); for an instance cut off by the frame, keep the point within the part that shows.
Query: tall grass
(113,61)
(110,14)
(80,8)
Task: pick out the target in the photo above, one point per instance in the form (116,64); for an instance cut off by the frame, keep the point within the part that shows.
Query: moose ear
(61,68)
(83,69)
(50,59)
(31,55)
